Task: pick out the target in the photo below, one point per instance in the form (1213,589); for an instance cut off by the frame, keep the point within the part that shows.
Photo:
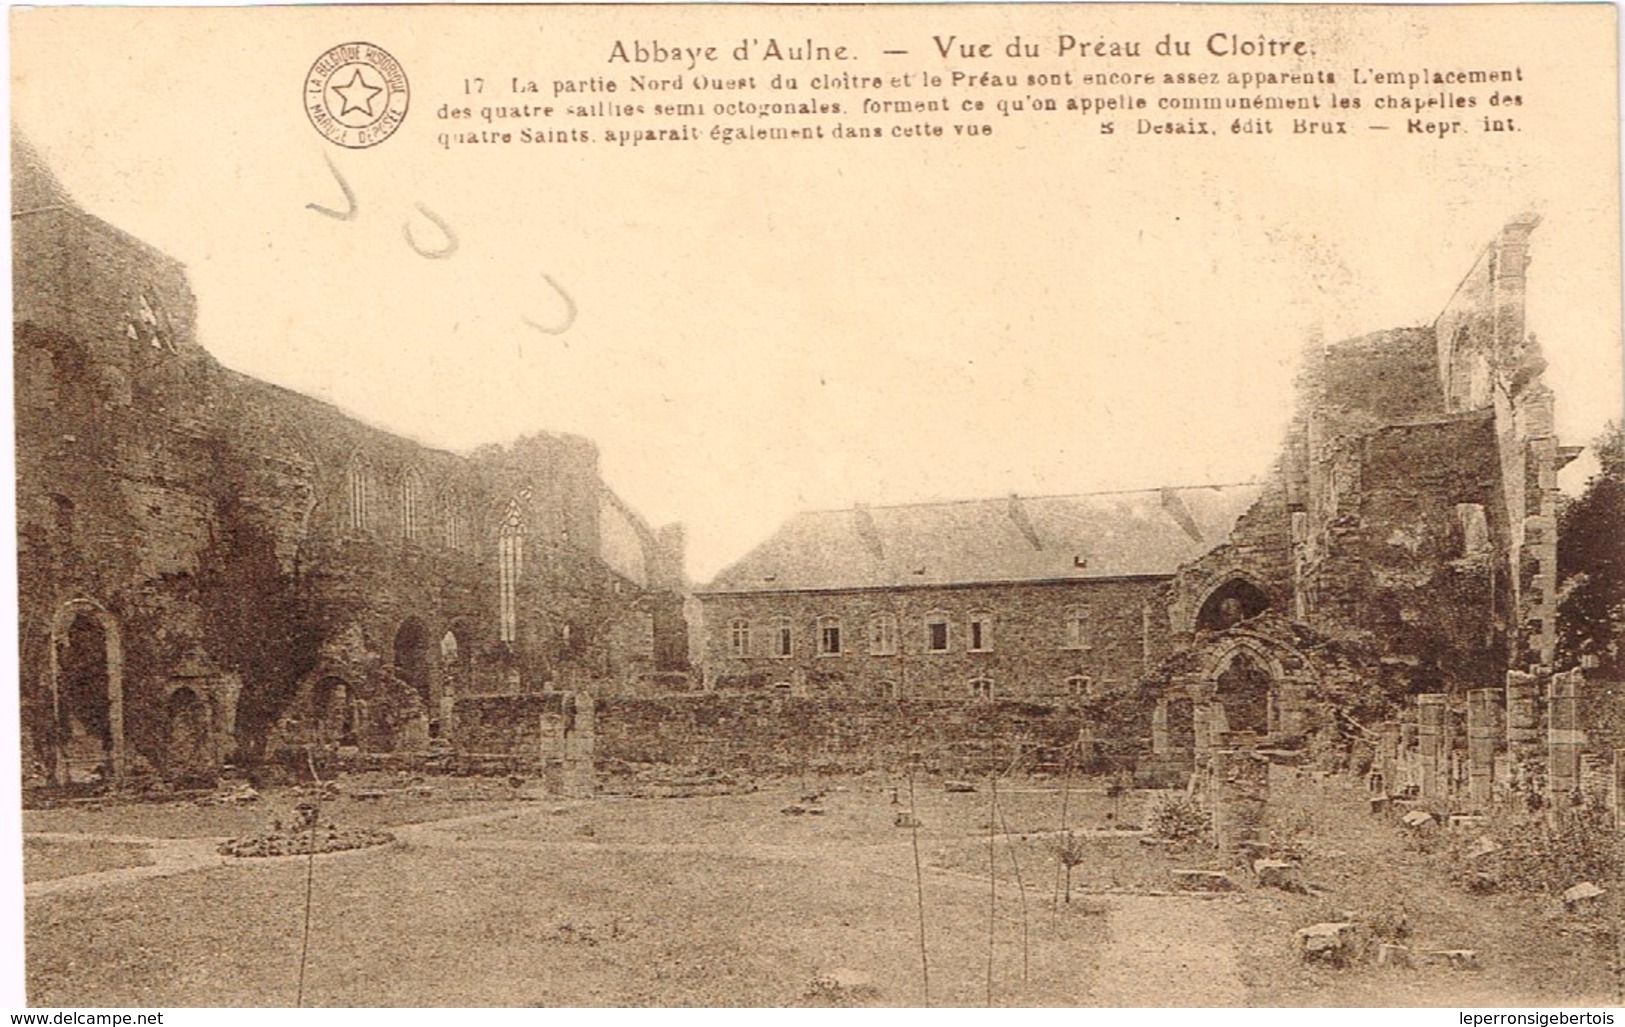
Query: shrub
(1537,856)
(1180,819)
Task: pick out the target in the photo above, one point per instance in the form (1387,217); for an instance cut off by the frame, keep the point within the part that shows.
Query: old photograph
(1019,505)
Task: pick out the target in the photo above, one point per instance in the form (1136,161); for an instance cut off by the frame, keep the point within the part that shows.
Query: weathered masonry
(1055,598)
(212,567)
(1402,557)
(1399,555)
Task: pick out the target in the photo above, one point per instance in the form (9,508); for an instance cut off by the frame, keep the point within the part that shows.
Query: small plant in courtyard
(1180,819)
(1289,834)
(1070,851)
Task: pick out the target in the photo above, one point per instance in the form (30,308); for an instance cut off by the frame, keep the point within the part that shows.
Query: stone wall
(787,734)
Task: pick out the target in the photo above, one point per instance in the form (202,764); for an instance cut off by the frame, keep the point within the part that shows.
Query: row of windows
(365,499)
(980,687)
(938,635)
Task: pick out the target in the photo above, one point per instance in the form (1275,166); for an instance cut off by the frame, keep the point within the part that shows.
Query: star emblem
(357,95)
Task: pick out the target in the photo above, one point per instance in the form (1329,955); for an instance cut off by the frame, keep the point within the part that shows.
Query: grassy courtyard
(489,898)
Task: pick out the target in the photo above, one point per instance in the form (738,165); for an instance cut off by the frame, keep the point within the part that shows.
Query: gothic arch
(112,667)
(1233,597)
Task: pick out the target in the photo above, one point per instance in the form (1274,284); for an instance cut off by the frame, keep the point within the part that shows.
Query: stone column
(1240,793)
(1617,799)
(1523,725)
(1563,738)
(1483,738)
(1433,758)
(1159,728)
(1387,762)
(1408,776)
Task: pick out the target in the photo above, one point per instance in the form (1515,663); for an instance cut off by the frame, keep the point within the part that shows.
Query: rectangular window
(981,688)
(883,635)
(829,637)
(981,633)
(739,639)
(1077,629)
(936,635)
(783,640)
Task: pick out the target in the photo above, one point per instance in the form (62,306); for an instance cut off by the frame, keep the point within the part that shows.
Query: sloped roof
(1099,535)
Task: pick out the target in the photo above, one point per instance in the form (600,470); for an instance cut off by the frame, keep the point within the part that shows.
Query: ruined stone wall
(1259,551)
(189,535)
(1029,648)
(786,734)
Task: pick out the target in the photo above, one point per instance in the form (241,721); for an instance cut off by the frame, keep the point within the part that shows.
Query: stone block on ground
(1455,959)
(1392,955)
(1417,819)
(1278,873)
(1483,847)
(1583,897)
(1334,943)
(1202,880)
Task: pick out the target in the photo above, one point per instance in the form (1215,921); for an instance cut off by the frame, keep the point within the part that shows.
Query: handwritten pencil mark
(442,252)
(569,314)
(349,196)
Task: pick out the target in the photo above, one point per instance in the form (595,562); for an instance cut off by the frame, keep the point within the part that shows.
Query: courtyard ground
(498,895)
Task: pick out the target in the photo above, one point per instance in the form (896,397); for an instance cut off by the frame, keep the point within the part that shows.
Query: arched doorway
(1231,603)
(412,663)
(1243,689)
(332,715)
(86,672)
(188,750)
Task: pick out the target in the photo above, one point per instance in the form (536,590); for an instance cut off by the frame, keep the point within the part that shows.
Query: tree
(1591,564)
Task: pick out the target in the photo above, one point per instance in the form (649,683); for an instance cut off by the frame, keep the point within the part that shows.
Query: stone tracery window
(510,563)
(413,511)
(360,488)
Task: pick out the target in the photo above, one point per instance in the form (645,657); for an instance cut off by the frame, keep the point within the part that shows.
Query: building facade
(1051,598)
(212,567)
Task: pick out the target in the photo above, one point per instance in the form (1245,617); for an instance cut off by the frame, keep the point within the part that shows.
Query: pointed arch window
(414,512)
(511,560)
(360,489)
(449,526)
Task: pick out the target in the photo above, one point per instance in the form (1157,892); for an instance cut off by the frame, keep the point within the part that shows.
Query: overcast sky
(769,328)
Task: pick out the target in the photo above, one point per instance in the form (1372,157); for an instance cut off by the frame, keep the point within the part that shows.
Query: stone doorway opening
(86,669)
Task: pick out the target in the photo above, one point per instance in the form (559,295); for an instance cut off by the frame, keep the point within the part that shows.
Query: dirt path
(1167,951)
(170,856)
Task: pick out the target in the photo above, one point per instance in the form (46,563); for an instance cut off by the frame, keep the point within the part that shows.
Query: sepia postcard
(1023,505)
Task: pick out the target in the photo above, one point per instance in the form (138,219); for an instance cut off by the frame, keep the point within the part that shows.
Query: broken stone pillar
(1432,757)
(1594,778)
(1240,792)
(1159,727)
(1408,778)
(1617,797)
(1523,724)
(1563,739)
(1483,738)
(1387,761)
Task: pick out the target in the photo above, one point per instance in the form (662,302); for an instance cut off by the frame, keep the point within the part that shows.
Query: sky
(769,328)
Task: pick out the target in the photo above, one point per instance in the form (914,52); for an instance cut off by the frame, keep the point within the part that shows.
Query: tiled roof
(1099,535)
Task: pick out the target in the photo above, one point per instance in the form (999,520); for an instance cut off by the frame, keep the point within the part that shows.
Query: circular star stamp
(356,95)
